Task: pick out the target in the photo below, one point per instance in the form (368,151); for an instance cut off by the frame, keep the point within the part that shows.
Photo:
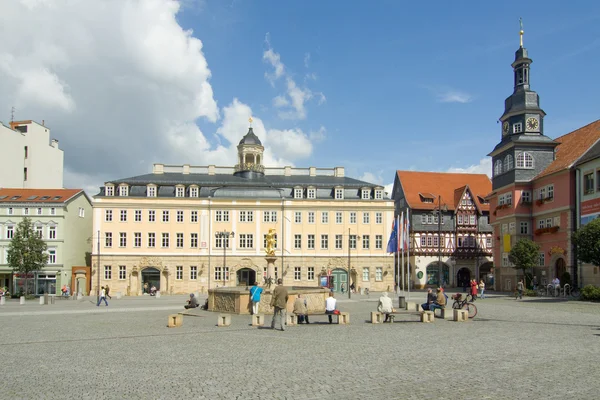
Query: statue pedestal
(271,267)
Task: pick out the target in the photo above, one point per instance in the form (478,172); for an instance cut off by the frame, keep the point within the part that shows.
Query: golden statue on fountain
(271,243)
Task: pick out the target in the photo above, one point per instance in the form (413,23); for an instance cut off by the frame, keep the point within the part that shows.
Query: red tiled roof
(443,184)
(37,195)
(572,146)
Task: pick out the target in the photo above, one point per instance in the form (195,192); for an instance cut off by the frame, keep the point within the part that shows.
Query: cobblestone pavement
(535,348)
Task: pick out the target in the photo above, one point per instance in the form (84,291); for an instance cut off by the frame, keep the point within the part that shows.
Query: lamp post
(439,215)
(98,270)
(224,236)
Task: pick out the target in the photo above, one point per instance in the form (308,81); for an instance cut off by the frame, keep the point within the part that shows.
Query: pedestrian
(473,289)
(279,303)
(481,289)
(102,297)
(145,287)
(520,288)
(535,282)
(107,292)
(301,310)
(343,288)
(330,306)
(440,300)
(255,292)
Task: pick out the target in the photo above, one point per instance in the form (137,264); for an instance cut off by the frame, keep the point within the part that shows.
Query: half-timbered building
(450,236)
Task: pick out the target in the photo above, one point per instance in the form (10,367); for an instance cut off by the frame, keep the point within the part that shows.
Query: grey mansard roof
(250,138)
(524,140)
(232,186)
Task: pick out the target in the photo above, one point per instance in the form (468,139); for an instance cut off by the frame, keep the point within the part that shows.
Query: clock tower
(524,150)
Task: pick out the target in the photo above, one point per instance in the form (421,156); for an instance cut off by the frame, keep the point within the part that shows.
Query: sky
(373,86)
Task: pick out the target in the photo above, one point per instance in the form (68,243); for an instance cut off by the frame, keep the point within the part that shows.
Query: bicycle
(571,291)
(460,304)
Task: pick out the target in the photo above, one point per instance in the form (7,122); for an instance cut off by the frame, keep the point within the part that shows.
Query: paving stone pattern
(535,348)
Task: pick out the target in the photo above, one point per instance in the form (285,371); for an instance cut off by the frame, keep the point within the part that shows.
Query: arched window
(520,162)
(508,163)
(498,167)
(528,160)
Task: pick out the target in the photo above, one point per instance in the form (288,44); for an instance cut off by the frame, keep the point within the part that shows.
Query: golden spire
(250,120)
(521,31)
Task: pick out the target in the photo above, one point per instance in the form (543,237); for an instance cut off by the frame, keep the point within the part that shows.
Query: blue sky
(378,85)
(408,86)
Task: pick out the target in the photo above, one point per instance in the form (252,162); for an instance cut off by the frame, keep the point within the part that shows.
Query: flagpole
(407,233)
(400,255)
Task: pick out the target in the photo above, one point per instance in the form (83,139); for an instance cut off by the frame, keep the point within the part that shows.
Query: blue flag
(392,245)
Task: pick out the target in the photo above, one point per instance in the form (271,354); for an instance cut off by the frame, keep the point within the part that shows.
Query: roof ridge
(577,130)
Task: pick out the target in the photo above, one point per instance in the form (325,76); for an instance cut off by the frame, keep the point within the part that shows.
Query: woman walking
(481,289)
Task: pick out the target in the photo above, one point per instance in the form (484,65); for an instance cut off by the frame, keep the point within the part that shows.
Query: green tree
(525,255)
(587,240)
(26,251)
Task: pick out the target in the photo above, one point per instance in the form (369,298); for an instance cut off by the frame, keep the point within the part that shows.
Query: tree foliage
(587,240)
(525,254)
(26,251)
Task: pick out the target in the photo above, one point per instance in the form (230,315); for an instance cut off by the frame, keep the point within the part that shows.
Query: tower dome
(250,156)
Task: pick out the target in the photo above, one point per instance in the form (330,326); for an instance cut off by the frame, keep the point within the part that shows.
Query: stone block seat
(175,320)
(343,318)
(224,320)
(427,316)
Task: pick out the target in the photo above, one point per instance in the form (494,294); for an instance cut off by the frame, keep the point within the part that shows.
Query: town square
(301,200)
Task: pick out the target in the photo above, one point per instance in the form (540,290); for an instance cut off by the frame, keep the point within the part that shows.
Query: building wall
(207,255)
(589,209)
(43,158)
(77,232)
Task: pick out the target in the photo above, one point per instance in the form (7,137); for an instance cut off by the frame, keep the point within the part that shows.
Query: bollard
(402,302)
(157,295)
(45,299)
(52,299)
(79,296)
(2,300)
(22,300)
(258,320)
(119,295)
(42,301)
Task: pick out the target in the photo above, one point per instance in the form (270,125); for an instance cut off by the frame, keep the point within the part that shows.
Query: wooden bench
(343,318)
(377,317)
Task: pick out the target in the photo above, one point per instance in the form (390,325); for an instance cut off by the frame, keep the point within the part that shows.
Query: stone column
(271,267)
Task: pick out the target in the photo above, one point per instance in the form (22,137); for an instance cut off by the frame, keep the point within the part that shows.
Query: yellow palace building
(186,229)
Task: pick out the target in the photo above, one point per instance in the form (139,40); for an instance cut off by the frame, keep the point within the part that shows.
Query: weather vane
(250,120)
(521,31)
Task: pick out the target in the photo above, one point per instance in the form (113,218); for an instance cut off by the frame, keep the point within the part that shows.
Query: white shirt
(330,304)
(103,293)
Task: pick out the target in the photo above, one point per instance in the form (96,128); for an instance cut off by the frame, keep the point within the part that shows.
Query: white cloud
(454,96)
(378,180)
(318,135)
(121,84)
(292,104)
(484,167)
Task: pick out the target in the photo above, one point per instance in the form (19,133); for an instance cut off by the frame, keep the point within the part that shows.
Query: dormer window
(194,191)
(298,193)
(365,194)
(311,193)
(339,193)
(518,127)
(151,191)
(426,197)
(378,194)
(180,191)
(109,190)
(124,191)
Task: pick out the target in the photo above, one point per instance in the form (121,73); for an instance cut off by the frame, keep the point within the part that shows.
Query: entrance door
(560,269)
(463,277)
(151,276)
(340,278)
(246,277)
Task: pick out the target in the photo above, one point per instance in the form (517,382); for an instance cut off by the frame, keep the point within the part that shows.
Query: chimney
(54,143)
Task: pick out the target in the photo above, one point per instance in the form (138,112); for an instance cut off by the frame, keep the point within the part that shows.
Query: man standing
(255,293)
(520,288)
(279,304)
(330,304)
(102,297)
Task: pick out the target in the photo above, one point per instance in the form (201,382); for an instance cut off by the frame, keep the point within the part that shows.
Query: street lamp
(224,236)
(439,210)
(349,266)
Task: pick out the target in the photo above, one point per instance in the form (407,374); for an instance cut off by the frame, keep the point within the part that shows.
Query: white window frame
(339,217)
(108,239)
(518,127)
(378,274)
(378,194)
(365,274)
(137,239)
(297,241)
(151,215)
(122,272)
(324,241)
(246,240)
(108,272)
(310,241)
(311,193)
(366,217)
(179,191)
(179,272)
(109,190)
(123,216)
(325,217)
(366,242)
(298,217)
(151,240)
(165,241)
(194,190)
(151,191)
(352,217)
(124,191)
(179,216)
(193,216)
(179,240)
(194,240)
(311,217)
(524,228)
(365,194)
(378,217)
(297,273)
(52,256)
(108,215)
(166,216)
(339,242)
(298,193)
(123,239)
(193,272)
(52,232)
(339,193)
(310,274)
(378,242)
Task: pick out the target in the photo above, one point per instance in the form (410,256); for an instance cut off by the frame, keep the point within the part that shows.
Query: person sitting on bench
(330,306)
(192,302)
(385,306)
(431,298)
(301,310)
(440,301)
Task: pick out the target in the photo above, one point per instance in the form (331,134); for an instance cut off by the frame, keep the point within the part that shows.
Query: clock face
(505,127)
(532,124)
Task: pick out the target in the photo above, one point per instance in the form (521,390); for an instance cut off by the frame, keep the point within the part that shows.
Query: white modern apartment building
(30,159)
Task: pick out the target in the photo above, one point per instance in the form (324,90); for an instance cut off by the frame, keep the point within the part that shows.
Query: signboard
(590,210)
(328,272)
(324,281)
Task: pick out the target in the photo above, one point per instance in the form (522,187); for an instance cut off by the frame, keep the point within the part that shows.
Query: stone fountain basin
(236,300)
